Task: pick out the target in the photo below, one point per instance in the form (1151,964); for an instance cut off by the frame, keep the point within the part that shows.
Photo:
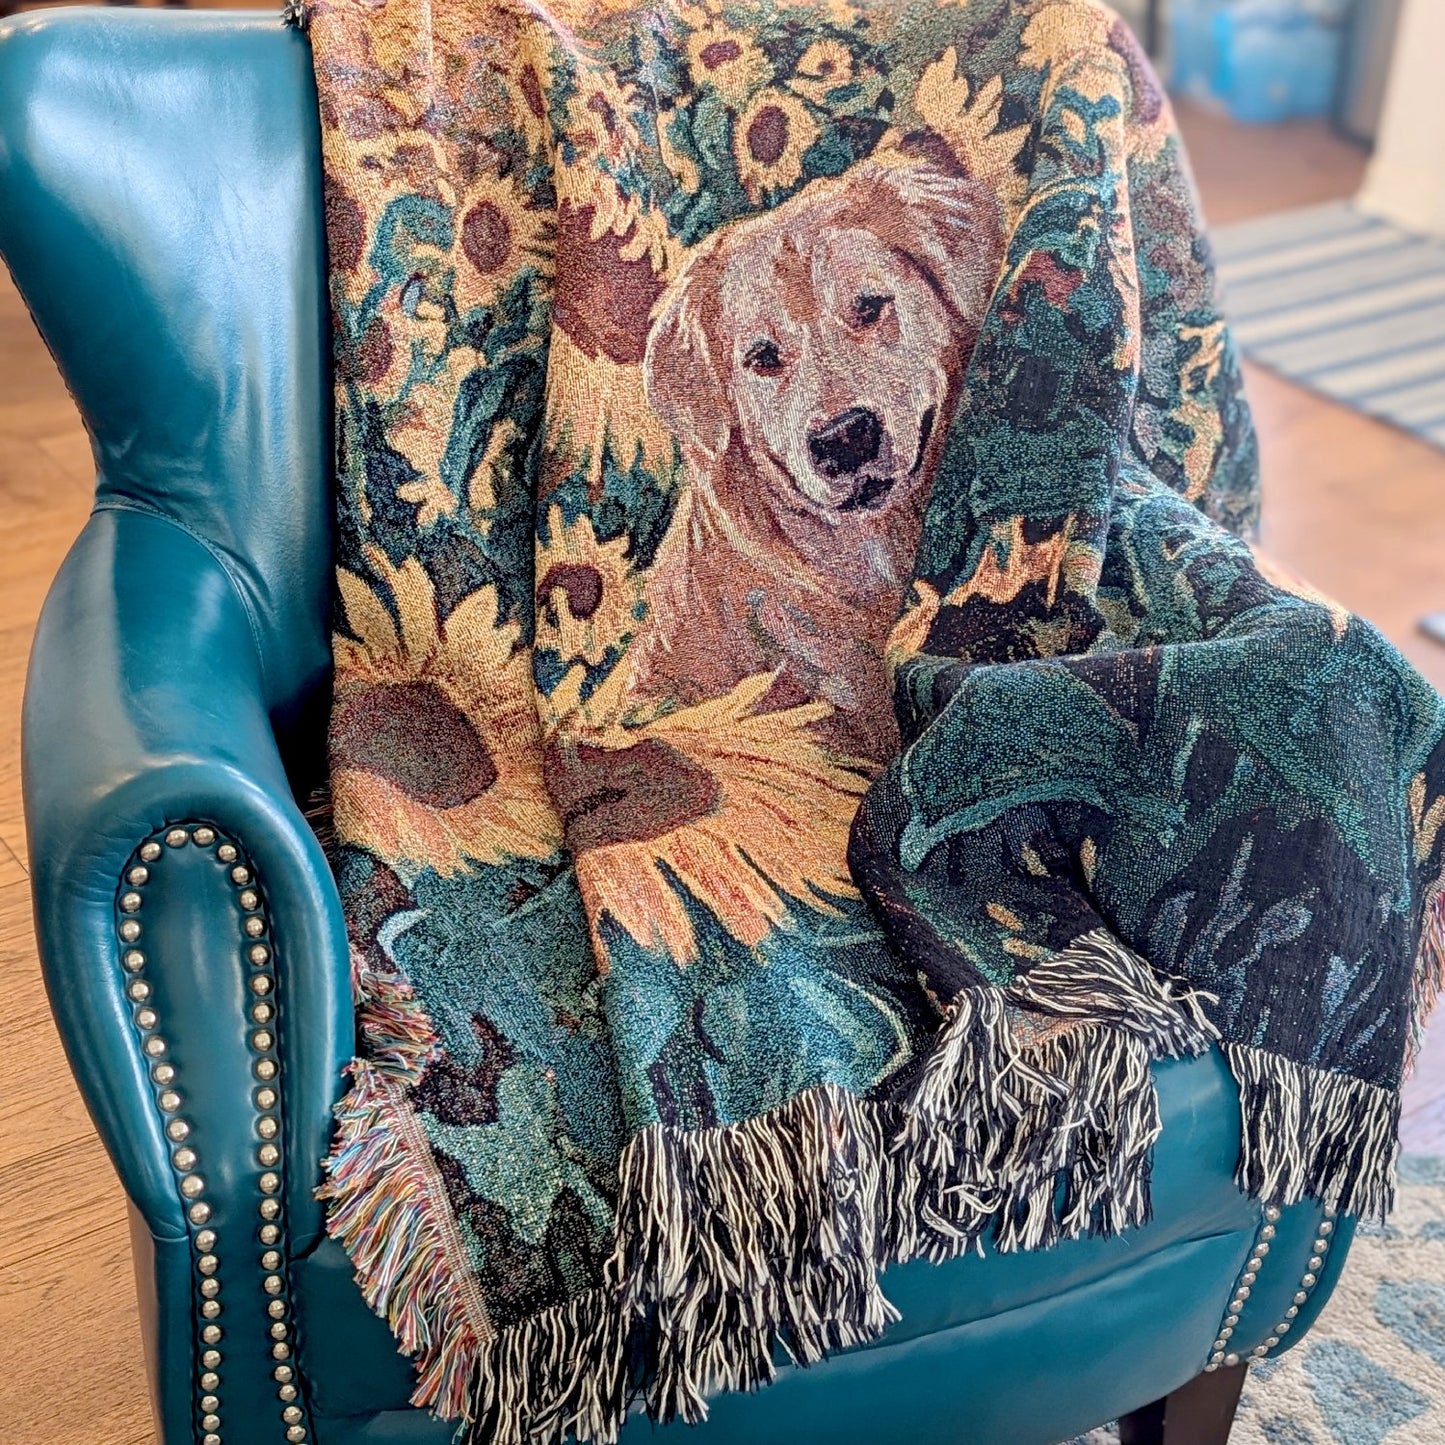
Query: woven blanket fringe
(740,1246)
(1312,1132)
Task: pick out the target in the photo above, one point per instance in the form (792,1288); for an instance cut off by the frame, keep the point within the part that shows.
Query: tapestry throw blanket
(807,732)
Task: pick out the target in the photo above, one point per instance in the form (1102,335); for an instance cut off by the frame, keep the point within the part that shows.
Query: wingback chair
(161,212)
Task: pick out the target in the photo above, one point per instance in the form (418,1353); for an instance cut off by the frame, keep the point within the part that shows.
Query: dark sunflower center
(628,795)
(581,584)
(719,53)
(486,237)
(413,735)
(768,135)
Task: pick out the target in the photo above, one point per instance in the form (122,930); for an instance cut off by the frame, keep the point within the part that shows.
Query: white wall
(1406,179)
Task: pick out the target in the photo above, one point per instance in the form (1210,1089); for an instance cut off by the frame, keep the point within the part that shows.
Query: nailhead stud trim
(253,928)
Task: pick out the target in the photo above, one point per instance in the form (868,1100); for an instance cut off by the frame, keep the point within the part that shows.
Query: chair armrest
(144,714)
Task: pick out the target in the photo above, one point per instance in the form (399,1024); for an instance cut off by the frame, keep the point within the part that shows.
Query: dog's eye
(867,309)
(763,356)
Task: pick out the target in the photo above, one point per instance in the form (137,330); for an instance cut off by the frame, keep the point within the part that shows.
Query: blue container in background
(1264,60)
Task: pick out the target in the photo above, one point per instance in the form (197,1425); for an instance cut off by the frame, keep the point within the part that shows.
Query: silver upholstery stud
(204,836)
(273,1284)
(211,1334)
(210,1422)
(1271,1342)
(249,899)
(276,1308)
(133,959)
(211,1309)
(208,1264)
(268,1127)
(192,1185)
(263,1013)
(280,1351)
(163,1073)
(150,851)
(184,1158)
(129,930)
(1309,1281)
(291,1415)
(168,1101)
(266,1098)
(270,1208)
(210,1440)
(130,902)
(1248,1277)
(278,1331)
(1316,1261)
(211,1359)
(282,1374)
(266,1069)
(210,1382)
(226,852)
(138,989)
(138,876)
(269,1234)
(258,954)
(267,1155)
(1327,1226)
(286,1392)
(1268,1232)
(155,1046)
(261,983)
(240,875)
(210,1288)
(254,926)
(271,1260)
(146,1018)
(270,1183)
(1300,1297)
(1262,1248)
(206,1240)
(296,1434)
(176,837)
(261,1040)
(177,1129)
(210,1402)
(200,1212)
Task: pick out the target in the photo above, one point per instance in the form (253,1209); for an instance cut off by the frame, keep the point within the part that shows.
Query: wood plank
(80,1375)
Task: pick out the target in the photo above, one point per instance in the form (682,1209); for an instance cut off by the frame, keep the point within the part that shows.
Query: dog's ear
(950,226)
(682,370)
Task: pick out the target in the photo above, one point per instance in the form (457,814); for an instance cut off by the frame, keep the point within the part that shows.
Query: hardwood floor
(1352,504)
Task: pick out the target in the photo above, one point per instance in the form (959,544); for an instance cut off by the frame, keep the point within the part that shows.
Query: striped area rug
(1346,304)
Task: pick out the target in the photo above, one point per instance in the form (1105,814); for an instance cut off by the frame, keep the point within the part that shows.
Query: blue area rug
(1346,304)
(1372,1370)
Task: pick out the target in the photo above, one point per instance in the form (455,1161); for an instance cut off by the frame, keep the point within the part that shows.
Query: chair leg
(1199,1413)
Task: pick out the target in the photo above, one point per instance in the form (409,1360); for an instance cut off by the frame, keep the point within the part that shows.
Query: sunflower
(769,142)
(822,67)
(728,60)
(498,234)
(434,733)
(607,285)
(740,810)
(968,118)
(588,595)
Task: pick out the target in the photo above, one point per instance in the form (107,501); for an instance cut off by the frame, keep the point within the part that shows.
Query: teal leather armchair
(160,210)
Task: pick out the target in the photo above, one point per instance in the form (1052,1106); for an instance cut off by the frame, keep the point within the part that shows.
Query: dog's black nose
(847,443)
